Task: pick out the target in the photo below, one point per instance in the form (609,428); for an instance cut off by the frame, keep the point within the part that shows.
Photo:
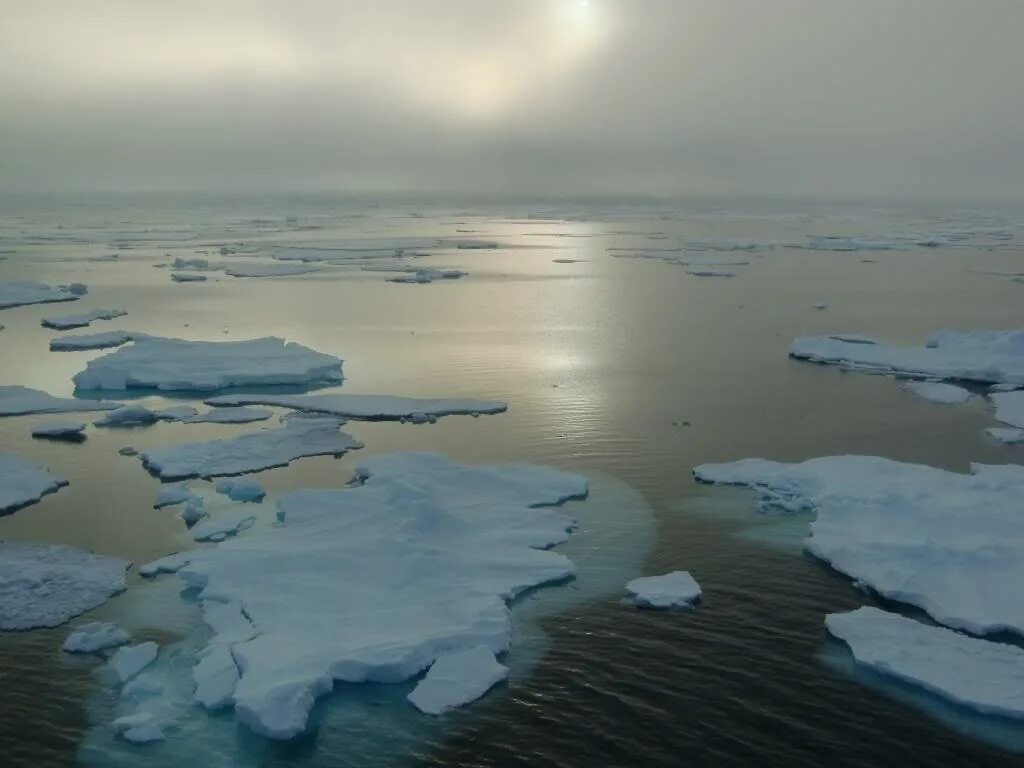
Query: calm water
(597,359)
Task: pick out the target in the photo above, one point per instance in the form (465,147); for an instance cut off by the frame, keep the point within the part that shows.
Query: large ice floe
(20,401)
(982,356)
(86,341)
(950,543)
(252,451)
(677,589)
(44,585)
(67,322)
(23,483)
(979,674)
(370,407)
(177,364)
(376,582)
(21,292)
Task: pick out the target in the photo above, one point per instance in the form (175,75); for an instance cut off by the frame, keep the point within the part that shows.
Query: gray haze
(712,97)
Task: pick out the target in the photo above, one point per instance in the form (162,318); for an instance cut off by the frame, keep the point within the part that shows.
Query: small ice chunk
(677,589)
(167,564)
(176,413)
(250,452)
(128,451)
(169,495)
(60,430)
(216,676)
(224,525)
(187,277)
(241,489)
(177,364)
(67,322)
(456,679)
(194,511)
(23,483)
(143,734)
(936,392)
(127,416)
(1009,407)
(86,341)
(128,661)
(820,305)
(94,636)
(19,401)
(230,416)
(77,289)
(710,273)
(21,292)
(269,269)
(1006,435)
(982,675)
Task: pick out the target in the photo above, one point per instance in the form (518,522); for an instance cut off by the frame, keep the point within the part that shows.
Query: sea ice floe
(1009,407)
(19,401)
(44,585)
(216,676)
(949,543)
(456,679)
(677,589)
(225,524)
(23,483)
(937,392)
(250,452)
(981,356)
(427,275)
(379,581)
(229,416)
(187,277)
(21,292)
(86,341)
(177,364)
(1006,435)
(269,269)
(194,511)
(167,564)
(980,674)
(93,637)
(241,489)
(129,660)
(128,416)
(60,430)
(67,322)
(370,407)
(710,273)
(169,495)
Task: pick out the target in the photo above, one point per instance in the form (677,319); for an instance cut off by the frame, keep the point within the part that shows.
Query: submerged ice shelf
(375,583)
(949,543)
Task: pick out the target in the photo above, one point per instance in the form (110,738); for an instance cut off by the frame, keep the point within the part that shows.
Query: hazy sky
(716,97)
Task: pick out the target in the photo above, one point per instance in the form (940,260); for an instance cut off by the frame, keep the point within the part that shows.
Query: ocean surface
(627,370)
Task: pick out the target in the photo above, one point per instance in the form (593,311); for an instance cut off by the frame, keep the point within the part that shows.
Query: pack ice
(19,401)
(982,356)
(950,543)
(366,406)
(177,364)
(982,675)
(20,292)
(379,581)
(23,483)
(250,452)
(44,585)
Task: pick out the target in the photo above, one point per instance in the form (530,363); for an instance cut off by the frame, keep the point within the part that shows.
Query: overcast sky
(692,97)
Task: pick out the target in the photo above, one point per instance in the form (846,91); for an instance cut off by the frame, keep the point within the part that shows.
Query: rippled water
(597,359)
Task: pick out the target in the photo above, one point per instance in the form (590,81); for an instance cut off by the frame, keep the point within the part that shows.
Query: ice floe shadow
(366,723)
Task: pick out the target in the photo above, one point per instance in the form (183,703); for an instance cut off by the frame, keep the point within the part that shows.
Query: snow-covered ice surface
(128,416)
(938,392)
(456,679)
(981,356)
(67,322)
(128,661)
(241,489)
(372,721)
(1009,407)
(177,364)
(94,636)
(979,674)
(44,585)
(223,525)
(21,292)
(23,483)
(1006,435)
(677,589)
(84,341)
(366,406)
(229,416)
(250,452)
(19,401)
(170,495)
(60,430)
(950,543)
